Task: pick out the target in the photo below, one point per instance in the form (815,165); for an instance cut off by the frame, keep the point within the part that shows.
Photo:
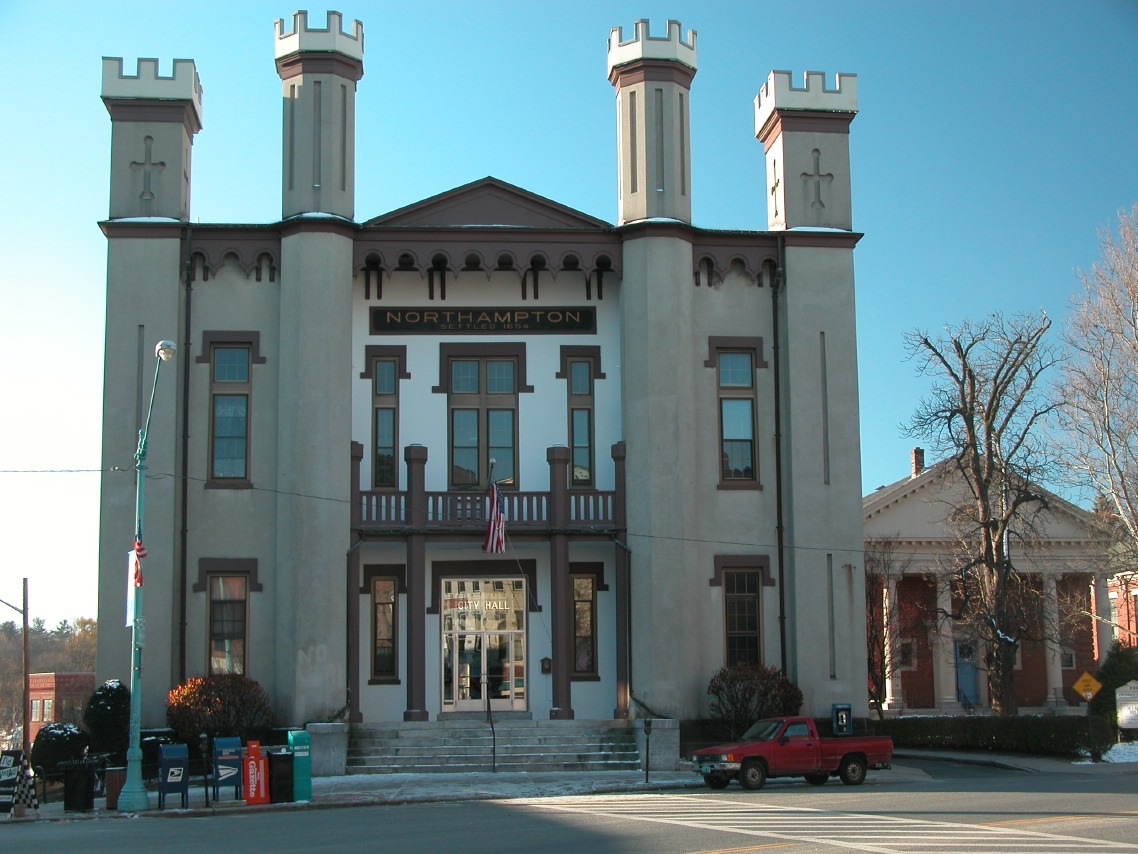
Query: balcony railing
(528,510)
(559,510)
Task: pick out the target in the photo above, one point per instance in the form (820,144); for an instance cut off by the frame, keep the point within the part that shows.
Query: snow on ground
(1125,752)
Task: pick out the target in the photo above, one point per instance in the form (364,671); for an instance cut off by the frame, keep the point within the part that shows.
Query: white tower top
(330,39)
(645,46)
(182,85)
(780,93)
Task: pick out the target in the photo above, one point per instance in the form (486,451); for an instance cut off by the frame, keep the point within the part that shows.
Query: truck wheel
(817,779)
(716,781)
(753,774)
(852,770)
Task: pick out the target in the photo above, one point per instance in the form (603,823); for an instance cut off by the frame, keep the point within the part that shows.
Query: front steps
(462,746)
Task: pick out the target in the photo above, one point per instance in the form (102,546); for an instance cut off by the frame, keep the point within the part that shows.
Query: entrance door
(483,644)
(967,685)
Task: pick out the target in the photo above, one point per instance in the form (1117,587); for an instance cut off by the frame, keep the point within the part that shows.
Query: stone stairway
(461,746)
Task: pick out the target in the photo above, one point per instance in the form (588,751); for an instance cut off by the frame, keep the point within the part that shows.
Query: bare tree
(1100,383)
(987,414)
(886,623)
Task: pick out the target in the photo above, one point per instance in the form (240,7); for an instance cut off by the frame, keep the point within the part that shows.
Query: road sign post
(1088,686)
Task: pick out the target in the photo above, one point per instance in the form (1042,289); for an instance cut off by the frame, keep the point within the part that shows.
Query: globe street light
(133,796)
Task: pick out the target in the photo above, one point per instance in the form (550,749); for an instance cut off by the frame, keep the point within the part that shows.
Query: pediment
(488,202)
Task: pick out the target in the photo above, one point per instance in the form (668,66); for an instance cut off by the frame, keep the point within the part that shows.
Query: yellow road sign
(1087,686)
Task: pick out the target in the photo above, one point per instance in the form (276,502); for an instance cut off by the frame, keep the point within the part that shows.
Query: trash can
(173,773)
(280,775)
(227,765)
(113,781)
(301,744)
(78,784)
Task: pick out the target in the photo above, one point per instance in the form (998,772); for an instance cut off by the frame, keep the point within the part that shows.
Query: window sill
(744,485)
(584,677)
(229,484)
(386,680)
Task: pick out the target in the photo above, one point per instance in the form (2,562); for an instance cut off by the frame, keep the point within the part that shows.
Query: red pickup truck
(791,747)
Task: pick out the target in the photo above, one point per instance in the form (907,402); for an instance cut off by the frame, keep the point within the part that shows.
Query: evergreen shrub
(107,719)
(55,743)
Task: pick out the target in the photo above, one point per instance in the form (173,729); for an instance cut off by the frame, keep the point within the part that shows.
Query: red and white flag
(495,542)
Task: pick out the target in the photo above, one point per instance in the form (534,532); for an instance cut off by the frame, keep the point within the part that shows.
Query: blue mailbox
(173,773)
(301,744)
(227,765)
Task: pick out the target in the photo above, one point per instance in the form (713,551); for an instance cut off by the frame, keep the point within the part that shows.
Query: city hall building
(670,414)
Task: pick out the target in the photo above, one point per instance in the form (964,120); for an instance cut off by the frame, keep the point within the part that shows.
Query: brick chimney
(918,461)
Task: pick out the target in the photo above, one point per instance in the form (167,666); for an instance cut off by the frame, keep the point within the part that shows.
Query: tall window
(737,415)
(229,412)
(386,395)
(741,623)
(581,420)
(227,622)
(383,602)
(483,404)
(584,624)
(48,710)
(35,710)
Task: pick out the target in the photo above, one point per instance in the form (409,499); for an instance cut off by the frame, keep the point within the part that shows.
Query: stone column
(894,698)
(1104,631)
(1051,645)
(944,653)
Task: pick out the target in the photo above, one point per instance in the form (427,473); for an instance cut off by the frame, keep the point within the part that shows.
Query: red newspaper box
(256,776)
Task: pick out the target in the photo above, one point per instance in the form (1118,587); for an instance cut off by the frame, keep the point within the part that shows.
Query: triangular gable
(488,202)
(916,508)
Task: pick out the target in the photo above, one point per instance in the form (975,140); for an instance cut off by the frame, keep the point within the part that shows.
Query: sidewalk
(375,789)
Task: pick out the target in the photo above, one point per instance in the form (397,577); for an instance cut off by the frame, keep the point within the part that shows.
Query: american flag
(495,542)
(139,554)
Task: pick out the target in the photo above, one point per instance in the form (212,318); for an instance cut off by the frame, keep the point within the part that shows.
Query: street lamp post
(133,796)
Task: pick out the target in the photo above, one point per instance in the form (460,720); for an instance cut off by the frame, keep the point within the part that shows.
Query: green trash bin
(78,784)
(301,744)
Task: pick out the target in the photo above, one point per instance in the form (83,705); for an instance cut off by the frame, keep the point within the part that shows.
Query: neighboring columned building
(670,412)
(936,665)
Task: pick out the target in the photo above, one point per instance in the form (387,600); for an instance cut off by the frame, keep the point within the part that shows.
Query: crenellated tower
(153,122)
(319,69)
(653,78)
(805,135)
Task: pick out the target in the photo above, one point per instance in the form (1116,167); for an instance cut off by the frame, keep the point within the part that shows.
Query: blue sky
(994,140)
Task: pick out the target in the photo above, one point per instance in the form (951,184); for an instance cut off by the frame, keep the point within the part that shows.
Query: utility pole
(23,612)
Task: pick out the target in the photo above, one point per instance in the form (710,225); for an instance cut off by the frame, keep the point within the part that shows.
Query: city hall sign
(580,320)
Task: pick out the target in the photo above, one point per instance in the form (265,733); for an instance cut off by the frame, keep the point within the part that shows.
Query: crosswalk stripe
(855,831)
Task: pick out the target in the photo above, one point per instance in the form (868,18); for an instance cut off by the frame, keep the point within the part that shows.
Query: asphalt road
(943,807)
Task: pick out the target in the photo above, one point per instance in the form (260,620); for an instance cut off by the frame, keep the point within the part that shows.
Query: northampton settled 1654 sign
(574,320)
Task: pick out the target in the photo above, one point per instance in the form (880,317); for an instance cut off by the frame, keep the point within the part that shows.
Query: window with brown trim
(230,389)
(385,392)
(584,624)
(581,421)
(483,413)
(384,609)
(228,618)
(736,373)
(736,360)
(741,619)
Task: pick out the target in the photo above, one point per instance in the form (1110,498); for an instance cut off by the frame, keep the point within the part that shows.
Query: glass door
(483,644)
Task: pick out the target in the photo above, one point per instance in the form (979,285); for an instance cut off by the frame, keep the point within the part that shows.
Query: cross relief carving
(818,176)
(148,165)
